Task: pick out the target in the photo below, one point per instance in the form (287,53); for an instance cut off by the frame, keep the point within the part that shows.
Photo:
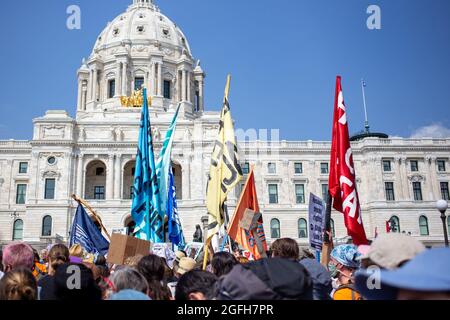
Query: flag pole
(327,245)
(86,204)
(366,124)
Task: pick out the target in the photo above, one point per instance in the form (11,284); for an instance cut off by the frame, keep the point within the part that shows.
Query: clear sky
(284,56)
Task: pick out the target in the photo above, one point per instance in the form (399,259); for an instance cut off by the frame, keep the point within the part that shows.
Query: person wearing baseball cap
(425,277)
(390,251)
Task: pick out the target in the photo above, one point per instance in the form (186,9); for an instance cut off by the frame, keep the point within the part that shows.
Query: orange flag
(246,239)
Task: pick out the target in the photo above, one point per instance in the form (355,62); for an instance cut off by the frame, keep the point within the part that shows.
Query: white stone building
(93,155)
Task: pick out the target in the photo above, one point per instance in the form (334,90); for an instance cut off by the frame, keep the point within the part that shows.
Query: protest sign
(123,246)
(193,249)
(316,221)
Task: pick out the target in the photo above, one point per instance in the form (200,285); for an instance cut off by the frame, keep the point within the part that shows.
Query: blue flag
(165,161)
(175,230)
(146,207)
(85,233)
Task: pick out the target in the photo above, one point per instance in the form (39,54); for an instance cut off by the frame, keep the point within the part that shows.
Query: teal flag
(165,162)
(146,206)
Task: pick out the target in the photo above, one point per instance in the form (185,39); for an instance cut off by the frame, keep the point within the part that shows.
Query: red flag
(245,238)
(388,227)
(342,182)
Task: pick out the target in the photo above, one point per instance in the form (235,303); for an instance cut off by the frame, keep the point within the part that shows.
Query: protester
(285,248)
(266,279)
(133,261)
(152,268)
(17,254)
(18,284)
(176,262)
(344,261)
(196,285)
(44,257)
(320,276)
(129,295)
(129,278)
(390,251)
(64,283)
(58,255)
(425,277)
(1,264)
(222,263)
(39,269)
(186,264)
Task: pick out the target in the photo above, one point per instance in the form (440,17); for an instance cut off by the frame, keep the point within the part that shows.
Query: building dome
(142,25)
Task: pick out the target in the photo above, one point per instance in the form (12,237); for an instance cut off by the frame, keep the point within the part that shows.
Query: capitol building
(93,154)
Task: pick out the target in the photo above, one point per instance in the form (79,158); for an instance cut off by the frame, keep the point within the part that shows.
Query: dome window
(122,18)
(140,29)
(116,32)
(141,16)
(166,31)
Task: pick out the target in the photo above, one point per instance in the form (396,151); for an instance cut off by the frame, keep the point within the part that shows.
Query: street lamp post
(442,206)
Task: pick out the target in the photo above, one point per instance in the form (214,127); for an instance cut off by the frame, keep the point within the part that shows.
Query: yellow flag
(225,170)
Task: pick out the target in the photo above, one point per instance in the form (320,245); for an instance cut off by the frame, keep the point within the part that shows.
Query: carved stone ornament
(416,178)
(50,174)
(53,132)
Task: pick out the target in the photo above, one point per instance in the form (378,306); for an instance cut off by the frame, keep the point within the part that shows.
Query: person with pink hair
(17,254)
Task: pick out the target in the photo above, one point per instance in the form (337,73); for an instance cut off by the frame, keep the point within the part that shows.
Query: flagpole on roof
(366,123)
(84,203)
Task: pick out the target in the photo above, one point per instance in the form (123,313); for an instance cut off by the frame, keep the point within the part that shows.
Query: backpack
(353,294)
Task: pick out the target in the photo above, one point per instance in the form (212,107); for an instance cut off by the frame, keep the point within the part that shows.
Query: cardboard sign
(249,220)
(122,247)
(121,230)
(316,221)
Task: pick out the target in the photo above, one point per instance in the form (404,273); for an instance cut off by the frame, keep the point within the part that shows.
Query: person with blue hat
(344,261)
(425,277)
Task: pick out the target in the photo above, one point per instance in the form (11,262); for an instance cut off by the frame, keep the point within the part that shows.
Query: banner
(316,214)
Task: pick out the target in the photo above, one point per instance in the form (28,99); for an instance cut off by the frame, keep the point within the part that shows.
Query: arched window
(47,226)
(95,180)
(333,232)
(302,228)
(423,226)
(18,230)
(275,229)
(394,224)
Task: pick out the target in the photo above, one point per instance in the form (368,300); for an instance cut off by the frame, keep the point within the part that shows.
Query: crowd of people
(393,267)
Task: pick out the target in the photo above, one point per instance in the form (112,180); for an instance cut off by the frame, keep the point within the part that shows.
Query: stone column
(124,79)
(404,180)
(117,92)
(95,85)
(200,94)
(80,93)
(90,83)
(117,177)
(183,85)
(80,174)
(153,82)
(400,179)
(188,80)
(160,79)
(434,187)
(186,176)
(84,96)
(110,177)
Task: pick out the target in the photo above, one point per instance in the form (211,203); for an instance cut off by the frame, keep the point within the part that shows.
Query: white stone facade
(93,154)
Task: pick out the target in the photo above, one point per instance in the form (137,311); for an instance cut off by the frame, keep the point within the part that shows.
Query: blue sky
(284,56)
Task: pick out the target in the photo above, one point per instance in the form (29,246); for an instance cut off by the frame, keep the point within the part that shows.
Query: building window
(300,193)
(49,189)
(333,232)
(51,160)
(302,229)
(47,226)
(271,168)
(99,171)
(111,88)
(441,165)
(423,226)
(273,193)
(417,190)
(18,230)
(324,192)
(275,229)
(389,187)
(21,194)
(444,191)
(246,168)
(298,168)
(387,166)
(167,89)
(138,83)
(394,224)
(99,193)
(324,168)
(23,167)
(414,165)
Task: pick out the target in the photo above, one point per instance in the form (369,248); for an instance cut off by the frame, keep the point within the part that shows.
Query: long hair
(222,263)
(58,255)
(153,269)
(18,284)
